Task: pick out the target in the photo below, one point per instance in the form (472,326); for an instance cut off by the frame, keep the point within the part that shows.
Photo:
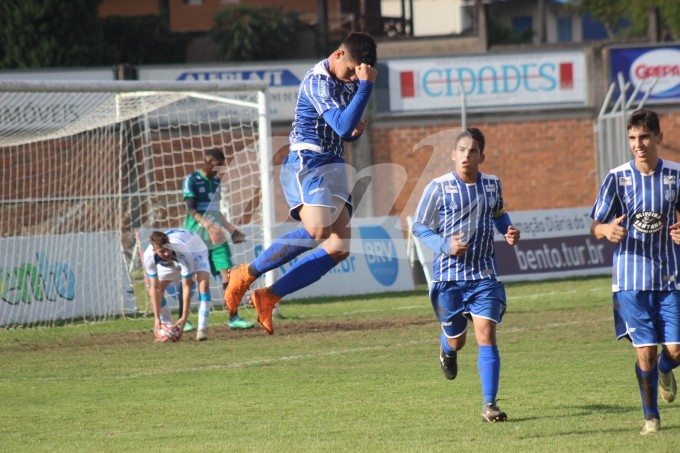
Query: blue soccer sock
(203,310)
(303,273)
(445,344)
(648,381)
(666,364)
(284,249)
(489,366)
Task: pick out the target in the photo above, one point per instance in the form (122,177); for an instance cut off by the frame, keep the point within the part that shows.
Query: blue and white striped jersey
(319,92)
(646,259)
(454,207)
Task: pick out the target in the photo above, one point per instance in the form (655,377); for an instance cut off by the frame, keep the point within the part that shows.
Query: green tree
(668,12)
(143,40)
(49,33)
(244,33)
(610,12)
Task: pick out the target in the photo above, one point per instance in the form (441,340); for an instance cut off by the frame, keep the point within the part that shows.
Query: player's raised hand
(457,246)
(366,72)
(675,233)
(360,128)
(512,235)
(614,231)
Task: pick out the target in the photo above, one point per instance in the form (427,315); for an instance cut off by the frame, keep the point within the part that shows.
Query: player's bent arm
(431,239)
(344,121)
(613,232)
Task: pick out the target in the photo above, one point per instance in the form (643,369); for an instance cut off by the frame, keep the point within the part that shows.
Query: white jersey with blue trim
(319,92)
(646,259)
(180,240)
(454,207)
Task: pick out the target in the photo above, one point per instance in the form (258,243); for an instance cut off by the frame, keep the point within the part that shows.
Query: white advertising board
(554,243)
(45,278)
(489,81)
(283,80)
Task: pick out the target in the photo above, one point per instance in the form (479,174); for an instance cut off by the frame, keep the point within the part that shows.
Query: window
(564,29)
(523,27)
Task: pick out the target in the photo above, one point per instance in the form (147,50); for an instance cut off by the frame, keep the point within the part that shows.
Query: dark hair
(475,134)
(646,119)
(215,154)
(158,239)
(361,48)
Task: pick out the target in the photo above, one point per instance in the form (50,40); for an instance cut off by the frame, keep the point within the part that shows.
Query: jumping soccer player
(201,192)
(331,100)
(171,256)
(464,206)
(637,210)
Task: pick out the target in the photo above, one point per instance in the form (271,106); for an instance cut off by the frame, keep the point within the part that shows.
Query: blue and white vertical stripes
(320,92)
(646,259)
(453,207)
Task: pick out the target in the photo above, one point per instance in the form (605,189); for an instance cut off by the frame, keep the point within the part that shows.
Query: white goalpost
(90,169)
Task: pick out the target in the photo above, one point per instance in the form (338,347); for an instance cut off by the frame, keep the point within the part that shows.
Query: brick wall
(543,163)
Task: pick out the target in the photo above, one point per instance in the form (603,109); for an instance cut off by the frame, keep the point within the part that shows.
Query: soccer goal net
(90,170)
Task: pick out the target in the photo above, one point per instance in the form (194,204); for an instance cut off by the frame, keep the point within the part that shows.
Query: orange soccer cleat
(264,302)
(239,282)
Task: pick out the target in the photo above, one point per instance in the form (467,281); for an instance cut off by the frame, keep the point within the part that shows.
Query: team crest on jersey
(453,205)
(451,189)
(492,201)
(669,179)
(323,88)
(625,181)
(669,194)
(648,222)
(201,189)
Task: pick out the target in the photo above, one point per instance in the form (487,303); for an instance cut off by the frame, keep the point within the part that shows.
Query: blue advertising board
(640,65)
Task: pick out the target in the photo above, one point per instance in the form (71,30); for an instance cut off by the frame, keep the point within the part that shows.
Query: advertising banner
(551,79)
(282,79)
(640,65)
(46,278)
(554,243)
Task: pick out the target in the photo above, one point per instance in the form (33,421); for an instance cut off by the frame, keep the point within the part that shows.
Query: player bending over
(464,206)
(332,98)
(173,256)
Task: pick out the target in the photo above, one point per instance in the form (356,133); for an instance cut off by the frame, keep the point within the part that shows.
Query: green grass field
(343,374)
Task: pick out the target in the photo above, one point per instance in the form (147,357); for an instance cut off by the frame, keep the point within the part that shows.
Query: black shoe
(449,363)
(491,413)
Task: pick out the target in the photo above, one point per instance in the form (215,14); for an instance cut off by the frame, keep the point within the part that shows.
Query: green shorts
(220,258)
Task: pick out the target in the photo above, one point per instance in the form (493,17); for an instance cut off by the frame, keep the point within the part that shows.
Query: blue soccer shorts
(313,178)
(647,318)
(455,303)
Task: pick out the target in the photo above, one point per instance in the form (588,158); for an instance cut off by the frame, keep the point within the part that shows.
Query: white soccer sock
(203,314)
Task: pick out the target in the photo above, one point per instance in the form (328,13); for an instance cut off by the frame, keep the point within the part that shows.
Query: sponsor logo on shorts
(648,222)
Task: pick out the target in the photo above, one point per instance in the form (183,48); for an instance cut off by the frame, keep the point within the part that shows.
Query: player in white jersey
(173,256)
(463,207)
(637,209)
(331,100)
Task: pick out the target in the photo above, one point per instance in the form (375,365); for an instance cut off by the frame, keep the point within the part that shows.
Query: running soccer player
(201,192)
(464,206)
(331,100)
(637,210)
(170,257)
